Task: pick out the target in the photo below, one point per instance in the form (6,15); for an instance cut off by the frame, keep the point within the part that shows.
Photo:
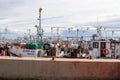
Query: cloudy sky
(21,15)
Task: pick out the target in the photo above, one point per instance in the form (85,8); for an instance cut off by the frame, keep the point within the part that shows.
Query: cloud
(22,14)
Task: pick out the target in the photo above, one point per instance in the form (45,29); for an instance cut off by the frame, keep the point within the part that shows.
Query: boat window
(95,44)
(103,45)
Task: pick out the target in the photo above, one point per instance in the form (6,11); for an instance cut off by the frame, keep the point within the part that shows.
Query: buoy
(105,51)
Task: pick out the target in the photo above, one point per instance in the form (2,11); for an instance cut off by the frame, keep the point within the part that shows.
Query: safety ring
(105,51)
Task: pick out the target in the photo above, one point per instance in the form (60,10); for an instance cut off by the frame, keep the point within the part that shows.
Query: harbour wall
(59,69)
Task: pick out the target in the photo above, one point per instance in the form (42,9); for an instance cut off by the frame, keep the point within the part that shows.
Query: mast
(39,30)
(40,9)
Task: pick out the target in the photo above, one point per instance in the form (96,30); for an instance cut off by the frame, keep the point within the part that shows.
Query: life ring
(105,51)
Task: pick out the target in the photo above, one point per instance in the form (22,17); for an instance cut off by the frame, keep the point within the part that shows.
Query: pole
(58,32)
(39,30)
(40,9)
(30,34)
(77,35)
(51,33)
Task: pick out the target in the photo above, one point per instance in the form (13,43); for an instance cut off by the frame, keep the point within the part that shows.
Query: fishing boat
(106,49)
(29,49)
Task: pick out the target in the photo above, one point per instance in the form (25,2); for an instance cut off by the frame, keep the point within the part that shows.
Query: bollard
(53,57)
(90,57)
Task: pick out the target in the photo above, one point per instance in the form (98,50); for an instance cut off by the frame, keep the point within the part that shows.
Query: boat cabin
(106,49)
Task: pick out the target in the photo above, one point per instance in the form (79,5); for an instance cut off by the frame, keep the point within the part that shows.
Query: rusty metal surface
(59,69)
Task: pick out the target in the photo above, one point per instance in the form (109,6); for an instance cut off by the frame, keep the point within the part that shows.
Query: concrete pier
(13,68)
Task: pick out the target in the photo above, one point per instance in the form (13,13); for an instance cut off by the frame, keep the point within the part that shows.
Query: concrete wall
(59,70)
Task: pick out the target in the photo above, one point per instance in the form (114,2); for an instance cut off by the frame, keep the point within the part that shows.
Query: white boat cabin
(106,49)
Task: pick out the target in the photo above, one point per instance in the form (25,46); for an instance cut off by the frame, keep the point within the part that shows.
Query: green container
(31,45)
